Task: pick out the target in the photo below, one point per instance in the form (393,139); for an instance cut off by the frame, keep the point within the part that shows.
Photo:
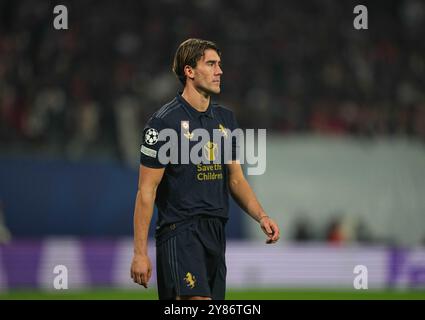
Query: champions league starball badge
(151,136)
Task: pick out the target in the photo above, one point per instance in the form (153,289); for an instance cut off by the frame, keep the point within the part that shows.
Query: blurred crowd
(288,67)
(339,229)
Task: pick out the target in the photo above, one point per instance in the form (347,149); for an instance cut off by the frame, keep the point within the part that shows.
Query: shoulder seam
(172,108)
(166,107)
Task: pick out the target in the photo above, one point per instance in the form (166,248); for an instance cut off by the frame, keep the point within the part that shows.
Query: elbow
(146,195)
(235,184)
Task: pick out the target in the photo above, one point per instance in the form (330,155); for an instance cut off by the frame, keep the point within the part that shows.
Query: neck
(197,99)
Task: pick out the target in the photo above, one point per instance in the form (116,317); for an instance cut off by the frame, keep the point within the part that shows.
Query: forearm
(245,197)
(142,218)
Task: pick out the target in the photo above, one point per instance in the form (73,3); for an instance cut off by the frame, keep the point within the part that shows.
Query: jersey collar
(193,113)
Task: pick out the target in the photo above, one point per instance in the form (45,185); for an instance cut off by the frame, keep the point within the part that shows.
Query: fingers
(267,229)
(145,277)
(149,274)
(276,232)
(272,231)
(141,270)
(141,278)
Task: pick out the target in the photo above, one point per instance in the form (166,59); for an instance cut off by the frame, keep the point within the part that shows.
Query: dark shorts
(190,259)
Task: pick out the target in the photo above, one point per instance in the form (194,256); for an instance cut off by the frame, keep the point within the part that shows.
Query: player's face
(207,72)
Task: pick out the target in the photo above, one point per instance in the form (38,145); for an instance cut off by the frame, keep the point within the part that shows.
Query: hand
(270,228)
(141,269)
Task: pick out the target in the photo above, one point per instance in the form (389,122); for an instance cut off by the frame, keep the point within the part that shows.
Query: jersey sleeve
(150,146)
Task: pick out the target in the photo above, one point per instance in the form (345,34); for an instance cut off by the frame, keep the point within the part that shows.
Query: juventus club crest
(185,129)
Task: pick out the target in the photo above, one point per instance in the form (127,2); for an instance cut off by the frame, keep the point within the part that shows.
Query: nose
(218,70)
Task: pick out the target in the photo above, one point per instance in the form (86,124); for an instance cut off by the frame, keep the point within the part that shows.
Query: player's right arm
(149,179)
(150,175)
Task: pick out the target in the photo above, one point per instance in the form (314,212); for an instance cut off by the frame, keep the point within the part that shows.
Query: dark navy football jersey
(187,188)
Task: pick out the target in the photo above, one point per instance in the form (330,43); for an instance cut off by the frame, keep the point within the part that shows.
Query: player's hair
(188,54)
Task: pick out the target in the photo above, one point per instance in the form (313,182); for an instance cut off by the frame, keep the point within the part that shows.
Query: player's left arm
(245,197)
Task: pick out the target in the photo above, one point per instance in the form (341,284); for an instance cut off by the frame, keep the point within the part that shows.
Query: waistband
(167,231)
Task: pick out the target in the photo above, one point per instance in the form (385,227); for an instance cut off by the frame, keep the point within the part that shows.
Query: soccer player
(192,199)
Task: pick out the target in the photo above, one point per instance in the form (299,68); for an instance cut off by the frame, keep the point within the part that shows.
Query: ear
(189,72)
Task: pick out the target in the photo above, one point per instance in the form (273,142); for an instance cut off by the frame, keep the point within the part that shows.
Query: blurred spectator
(127,115)
(362,233)
(87,128)
(284,70)
(302,230)
(334,231)
(4,232)
(45,121)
